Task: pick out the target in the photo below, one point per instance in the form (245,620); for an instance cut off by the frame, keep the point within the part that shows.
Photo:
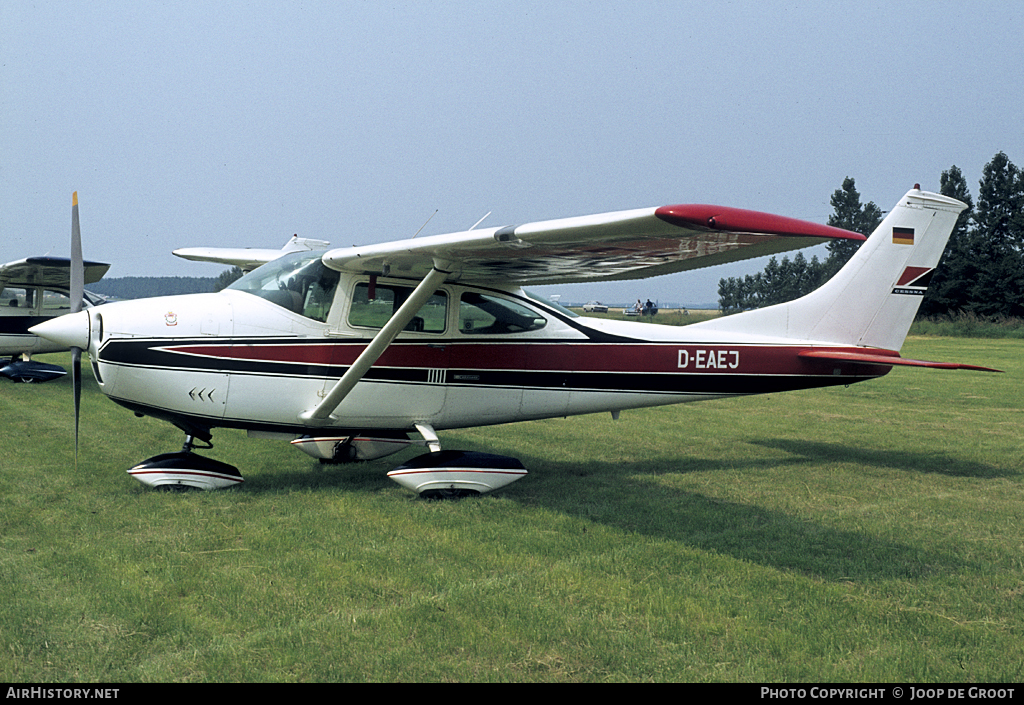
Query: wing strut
(321,415)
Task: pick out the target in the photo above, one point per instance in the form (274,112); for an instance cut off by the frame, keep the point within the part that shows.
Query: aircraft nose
(70,330)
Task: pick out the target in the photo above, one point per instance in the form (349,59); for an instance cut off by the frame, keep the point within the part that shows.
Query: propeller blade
(77,288)
(76,383)
(77,293)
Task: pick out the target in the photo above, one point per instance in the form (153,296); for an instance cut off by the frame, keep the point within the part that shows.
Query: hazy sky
(240,123)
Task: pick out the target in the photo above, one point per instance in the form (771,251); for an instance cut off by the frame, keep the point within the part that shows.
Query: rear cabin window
(16,300)
(387,298)
(480,314)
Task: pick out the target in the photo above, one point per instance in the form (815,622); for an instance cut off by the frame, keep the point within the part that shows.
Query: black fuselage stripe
(622,382)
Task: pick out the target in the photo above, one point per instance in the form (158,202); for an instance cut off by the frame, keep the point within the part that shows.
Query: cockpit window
(298,282)
(480,314)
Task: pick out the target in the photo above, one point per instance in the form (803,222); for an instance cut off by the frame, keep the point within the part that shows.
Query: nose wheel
(186,469)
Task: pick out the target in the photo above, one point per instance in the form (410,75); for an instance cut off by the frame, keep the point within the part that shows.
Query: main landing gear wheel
(454,474)
(447,493)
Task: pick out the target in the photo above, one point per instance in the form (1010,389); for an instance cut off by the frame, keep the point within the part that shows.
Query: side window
(480,314)
(320,295)
(16,300)
(55,303)
(387,298)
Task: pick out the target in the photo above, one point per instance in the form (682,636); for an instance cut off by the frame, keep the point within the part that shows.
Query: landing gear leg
(190,444)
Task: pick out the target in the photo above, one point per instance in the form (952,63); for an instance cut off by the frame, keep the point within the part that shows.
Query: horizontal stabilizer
(887,359)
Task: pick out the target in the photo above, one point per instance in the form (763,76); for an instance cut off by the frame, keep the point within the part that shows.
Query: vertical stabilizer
(873,299)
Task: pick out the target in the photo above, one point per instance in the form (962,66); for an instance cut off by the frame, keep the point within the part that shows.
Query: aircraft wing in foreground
(355,353)
(632,244)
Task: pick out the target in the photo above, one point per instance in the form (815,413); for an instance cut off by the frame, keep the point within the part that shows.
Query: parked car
(595,307)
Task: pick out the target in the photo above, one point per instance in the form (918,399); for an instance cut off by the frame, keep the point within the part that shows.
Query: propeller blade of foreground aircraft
(76,383)
(77,287)
(77,293)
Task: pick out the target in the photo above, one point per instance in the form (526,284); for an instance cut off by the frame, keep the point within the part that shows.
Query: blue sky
(239,123)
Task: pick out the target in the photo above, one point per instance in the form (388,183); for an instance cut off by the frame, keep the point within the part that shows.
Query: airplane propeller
(77,293)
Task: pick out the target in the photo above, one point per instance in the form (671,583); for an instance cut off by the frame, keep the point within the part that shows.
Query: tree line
(981,271)
(146,287)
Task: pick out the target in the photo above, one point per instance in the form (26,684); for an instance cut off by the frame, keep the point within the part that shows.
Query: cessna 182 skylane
(352,352)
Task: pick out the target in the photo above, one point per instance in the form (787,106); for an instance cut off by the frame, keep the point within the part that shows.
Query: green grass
(969,325)
(872,533)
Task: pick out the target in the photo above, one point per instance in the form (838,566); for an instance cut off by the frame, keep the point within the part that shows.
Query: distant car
(595,307)
(631,311)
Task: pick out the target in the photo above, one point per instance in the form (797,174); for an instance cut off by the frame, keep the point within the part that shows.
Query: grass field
(872,533)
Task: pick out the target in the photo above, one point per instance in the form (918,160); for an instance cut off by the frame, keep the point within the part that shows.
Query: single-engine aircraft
(34,290)
(354,352)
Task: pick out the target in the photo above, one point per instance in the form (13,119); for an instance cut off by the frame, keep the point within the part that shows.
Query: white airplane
(34,290)
(357,352)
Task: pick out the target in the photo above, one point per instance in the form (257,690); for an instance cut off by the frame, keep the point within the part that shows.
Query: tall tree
(849,214)
(998,241)
(794,278)
(953,278)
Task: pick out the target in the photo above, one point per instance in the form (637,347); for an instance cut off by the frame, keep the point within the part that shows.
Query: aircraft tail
(873,299)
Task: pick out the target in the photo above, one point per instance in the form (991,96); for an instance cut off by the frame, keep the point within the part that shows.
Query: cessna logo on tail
(914,280)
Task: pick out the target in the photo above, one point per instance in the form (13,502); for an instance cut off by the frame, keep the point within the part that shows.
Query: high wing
(632,244)
(47,271)
(248,258)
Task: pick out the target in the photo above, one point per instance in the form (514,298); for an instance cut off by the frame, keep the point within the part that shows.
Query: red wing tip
(745,221)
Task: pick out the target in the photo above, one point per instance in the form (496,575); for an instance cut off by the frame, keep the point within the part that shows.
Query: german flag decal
(902,236)
(914,281)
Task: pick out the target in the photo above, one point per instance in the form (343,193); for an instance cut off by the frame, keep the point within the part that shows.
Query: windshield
(298,282)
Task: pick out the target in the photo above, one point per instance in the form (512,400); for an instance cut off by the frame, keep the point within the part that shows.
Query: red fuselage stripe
(568,357)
